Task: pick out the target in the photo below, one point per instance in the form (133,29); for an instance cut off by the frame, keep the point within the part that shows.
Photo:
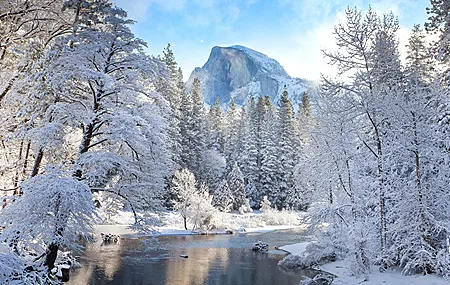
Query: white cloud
(307,60)
(138,10)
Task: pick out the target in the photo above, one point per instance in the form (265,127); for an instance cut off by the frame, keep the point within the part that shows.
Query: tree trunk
(8,87)
(380,174)
(25,163)
(37,163)
(16,175)
(185,223)
(50,257)
(383,237)
(418,180)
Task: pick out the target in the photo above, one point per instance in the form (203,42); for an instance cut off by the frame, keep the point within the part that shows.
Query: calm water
(213,259)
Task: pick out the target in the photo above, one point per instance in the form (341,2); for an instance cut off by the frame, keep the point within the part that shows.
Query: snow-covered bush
(15,270)
(274,217)
(245,208)
(11,268)
(200,211)
(193,204)
(265,204)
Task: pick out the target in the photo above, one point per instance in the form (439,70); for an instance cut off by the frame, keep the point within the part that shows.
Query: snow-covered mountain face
(239,72)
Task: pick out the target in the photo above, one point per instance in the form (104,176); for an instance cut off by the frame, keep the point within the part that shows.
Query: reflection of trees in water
(135,261)
(83,275)
(196,268)
(104,257)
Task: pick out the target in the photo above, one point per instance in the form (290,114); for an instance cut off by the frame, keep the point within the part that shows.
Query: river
(212,259)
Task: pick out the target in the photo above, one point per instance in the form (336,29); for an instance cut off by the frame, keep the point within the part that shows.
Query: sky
(291,31)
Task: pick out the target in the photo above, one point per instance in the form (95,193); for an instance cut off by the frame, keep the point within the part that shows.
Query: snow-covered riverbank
(172,224)
(389,277)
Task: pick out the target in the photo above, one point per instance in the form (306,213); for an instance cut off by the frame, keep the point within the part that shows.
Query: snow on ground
(267,229)
(389,277)
(295,249)
(172,223)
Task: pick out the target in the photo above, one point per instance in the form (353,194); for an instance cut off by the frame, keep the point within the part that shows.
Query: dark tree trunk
(50,257)
(37,163)
(16,175)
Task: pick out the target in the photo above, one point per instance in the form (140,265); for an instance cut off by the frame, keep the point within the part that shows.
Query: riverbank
(389,277)
(172,224)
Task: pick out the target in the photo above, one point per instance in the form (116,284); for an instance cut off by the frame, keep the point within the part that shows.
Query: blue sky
(290,31)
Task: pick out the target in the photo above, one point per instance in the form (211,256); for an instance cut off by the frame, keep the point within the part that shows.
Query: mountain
(239,72)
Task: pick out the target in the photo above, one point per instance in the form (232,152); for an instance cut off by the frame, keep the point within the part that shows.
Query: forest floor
(388,277)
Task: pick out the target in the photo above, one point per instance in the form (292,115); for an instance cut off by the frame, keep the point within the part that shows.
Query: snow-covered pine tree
(223,198)
(198,127)
(250,158)
(215,127)
(171,87)
(233,136)
(269,152)
(235,181)
(288,147)
(213,161)
(187,136)
(439,23)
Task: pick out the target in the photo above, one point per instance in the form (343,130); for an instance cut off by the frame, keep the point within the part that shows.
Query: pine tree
(187,135)
(223,197)
(171,87)
(250,156)
(418,58)
(439,22)
(198,126)
(287,154)
(216,127)
(269,152)
(233,136)
(236,185)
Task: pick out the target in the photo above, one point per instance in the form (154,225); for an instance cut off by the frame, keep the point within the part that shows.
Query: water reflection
(214,260)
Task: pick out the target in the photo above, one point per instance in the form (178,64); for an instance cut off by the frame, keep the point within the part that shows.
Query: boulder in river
(260,246)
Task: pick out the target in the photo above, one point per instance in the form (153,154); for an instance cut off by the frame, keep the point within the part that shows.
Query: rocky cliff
(239,72)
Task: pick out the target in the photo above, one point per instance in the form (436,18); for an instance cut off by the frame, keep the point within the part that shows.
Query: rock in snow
(260,246)
(239,72)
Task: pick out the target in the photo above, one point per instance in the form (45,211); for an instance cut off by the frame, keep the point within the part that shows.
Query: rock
(292,262)
(184,256)
(260,246)
(110,238)
(61,272)
(319,279)
(239,72)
